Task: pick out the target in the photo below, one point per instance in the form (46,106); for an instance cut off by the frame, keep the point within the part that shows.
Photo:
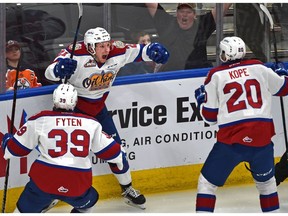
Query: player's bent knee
(204,186)
(115,169)
(94,196)
(87,202)
(266,187)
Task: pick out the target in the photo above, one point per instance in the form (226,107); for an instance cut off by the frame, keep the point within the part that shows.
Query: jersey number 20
(234,104)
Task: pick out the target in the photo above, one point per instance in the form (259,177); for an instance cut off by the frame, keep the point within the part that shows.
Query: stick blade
(80,7)
(268,14)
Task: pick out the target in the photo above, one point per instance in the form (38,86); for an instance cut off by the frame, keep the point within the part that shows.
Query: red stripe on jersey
(91,107)
(210,114)
(284,89)
(60,180)
(269,202)
(23,165)
(205,202)
(229,66)
(116,51)
(254,133)
(110,152)
(16,149)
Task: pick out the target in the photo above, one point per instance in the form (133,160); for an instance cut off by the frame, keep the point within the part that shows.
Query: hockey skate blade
(50,206)
(129,202)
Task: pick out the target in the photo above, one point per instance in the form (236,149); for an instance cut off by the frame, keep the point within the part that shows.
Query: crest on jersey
(247,139)
(90,63)
(119,44)
(77,46)
(63,189)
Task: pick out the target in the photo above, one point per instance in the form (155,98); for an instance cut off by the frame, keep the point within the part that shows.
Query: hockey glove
(200,95)
(280,69)
(65,68)
(158,53)
(4,142)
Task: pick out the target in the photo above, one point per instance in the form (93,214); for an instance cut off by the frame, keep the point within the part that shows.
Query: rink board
(165,138)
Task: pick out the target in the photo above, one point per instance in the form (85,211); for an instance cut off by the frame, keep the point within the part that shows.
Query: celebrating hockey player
(237,96)
(92,72)
(63,169)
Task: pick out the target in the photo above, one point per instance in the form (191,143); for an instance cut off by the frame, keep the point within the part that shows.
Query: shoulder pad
(118,44)
(78,46)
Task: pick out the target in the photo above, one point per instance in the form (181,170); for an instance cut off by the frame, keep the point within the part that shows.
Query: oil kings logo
(99,81)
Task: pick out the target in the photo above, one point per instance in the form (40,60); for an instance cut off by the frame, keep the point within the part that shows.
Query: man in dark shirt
(184,35)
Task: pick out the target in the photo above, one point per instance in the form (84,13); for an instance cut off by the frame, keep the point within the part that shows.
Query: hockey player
(63,169)
(92,72)
(237,96)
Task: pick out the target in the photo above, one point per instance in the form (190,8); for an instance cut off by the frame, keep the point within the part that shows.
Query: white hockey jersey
(92,80)
(64,140)
(238,98)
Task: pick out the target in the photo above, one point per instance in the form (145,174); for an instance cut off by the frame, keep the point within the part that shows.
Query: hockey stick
(267,13)
(80,8)
(11,132)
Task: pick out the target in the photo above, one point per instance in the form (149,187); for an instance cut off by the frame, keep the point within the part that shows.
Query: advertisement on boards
(159,124)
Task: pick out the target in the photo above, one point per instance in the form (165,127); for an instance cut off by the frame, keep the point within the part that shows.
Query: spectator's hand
(65,68)
(280,69)
(5,139)
(200,95)
(158,53)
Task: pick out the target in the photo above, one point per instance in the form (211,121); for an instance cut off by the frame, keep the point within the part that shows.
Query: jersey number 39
(77,137)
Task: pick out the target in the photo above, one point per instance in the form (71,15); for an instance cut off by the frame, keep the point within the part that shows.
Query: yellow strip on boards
(149,181)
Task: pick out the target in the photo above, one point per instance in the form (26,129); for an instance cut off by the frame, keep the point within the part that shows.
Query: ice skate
(52,204)
(133,197)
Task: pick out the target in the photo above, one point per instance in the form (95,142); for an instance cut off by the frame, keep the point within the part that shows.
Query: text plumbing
(144,116)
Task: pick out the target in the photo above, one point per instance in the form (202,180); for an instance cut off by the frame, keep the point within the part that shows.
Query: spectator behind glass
(26,76)
(139,67)
(143,38)
(185,36)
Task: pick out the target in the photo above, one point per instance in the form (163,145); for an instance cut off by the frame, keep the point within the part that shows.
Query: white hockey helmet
(232,48)
(65,97)
(94,36)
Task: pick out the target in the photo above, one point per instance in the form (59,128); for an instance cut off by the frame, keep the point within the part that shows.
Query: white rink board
(147,116)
